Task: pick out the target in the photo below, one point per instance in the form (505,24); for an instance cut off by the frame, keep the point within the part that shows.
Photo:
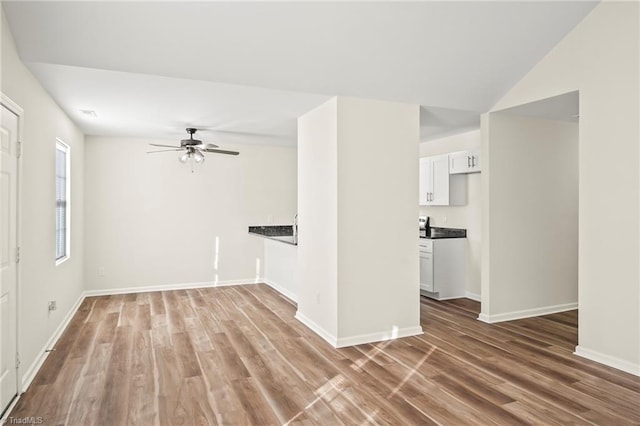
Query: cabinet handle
(473,161)
(468,161)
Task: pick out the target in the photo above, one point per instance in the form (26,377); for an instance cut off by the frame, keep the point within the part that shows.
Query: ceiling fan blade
(210,146)
(164,146)
(222,151)
(164,150)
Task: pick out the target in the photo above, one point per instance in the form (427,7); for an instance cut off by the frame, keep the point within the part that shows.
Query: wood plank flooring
(236,356)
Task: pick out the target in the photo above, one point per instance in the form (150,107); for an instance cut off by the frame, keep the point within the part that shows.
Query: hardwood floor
(236,355)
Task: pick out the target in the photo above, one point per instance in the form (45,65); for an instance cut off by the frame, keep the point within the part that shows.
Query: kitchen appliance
(423,222)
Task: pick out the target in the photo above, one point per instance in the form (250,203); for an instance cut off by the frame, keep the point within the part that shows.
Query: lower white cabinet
(442,268)
(426,271)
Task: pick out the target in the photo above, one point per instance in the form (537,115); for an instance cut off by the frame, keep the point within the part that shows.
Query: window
(62,202)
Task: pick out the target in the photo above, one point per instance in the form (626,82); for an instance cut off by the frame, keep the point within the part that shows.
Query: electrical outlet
(270,219)
(101,271)
(53,305)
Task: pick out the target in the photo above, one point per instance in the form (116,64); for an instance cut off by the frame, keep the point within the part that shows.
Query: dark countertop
(282,233)
(438,233)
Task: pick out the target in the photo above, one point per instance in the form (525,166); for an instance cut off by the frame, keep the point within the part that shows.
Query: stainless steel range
(423,221)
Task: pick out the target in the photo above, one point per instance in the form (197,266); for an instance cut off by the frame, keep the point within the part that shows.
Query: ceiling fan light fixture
(193,149)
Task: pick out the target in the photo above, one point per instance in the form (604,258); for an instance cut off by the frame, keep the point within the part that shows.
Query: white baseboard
(608,360)
(527,313)
(281,290)
(330,338)
(473,296)
(165,287)
(9,409)
(30,373)
(359,339)
(484,318)
(379,336)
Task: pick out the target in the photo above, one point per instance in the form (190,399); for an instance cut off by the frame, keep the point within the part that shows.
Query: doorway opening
(530,266)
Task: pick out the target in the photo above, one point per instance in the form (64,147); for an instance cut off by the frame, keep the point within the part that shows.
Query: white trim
(33,369)
(608,360)
(9,409)
(484,318)
(379,336)
(281,290)
(61,260)
(331,339)
(66,149)
(358,339)
(6,101)
(473,296)
(165,287)
(527,313)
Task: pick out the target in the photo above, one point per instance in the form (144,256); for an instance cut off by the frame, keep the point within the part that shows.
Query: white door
(8,257)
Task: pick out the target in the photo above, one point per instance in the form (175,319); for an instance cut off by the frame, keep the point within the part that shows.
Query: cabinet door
(464,162)
(459,162)
(426,272)
(440,181)
(425,181)
(475,161)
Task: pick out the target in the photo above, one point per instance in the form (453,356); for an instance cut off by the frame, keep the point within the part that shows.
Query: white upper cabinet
(426,181)
(440,181)
(437,187)
(464,162)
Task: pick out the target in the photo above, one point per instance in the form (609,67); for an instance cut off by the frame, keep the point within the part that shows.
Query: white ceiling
(250,69)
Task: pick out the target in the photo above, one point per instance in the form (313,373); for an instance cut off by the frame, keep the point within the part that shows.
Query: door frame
(19,112)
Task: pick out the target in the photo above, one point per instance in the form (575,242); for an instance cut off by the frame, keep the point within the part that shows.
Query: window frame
(66,149)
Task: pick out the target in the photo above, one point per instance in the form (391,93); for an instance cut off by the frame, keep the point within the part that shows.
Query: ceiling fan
(194,149)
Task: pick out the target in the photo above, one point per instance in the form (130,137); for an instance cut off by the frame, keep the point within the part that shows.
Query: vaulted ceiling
(247,70)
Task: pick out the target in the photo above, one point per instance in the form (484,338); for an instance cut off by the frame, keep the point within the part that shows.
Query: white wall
(533,207)
(318,219)
(378,261)
(151,222)
(358,244)
(281,267)
(40,279)
(467,216)
(600,58)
